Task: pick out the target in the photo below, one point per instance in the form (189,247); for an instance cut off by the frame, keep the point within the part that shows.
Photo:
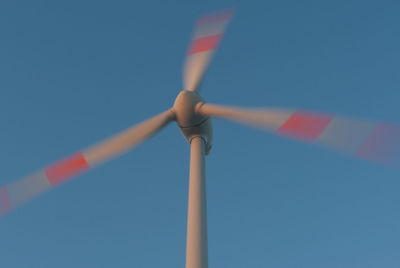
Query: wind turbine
(374,141)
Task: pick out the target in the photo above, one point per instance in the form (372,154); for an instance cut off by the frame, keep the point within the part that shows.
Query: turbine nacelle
(191,123)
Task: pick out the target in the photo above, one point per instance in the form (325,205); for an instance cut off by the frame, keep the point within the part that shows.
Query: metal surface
(190,122)
(196,244)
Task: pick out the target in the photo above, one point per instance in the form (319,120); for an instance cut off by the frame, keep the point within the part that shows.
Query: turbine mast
(196,243)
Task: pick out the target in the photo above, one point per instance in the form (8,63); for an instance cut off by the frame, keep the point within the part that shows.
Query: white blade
(19,192)
(373,141)
(207,35)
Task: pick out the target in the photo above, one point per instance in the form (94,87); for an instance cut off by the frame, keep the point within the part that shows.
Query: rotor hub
(185,109)
(189,121)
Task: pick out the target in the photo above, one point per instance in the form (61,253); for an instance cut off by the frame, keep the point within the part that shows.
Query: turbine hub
(185,106)
(189,121)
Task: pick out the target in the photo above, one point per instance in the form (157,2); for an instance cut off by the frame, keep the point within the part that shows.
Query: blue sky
(75,72)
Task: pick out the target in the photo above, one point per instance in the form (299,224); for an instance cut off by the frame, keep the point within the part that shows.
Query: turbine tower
(373,141)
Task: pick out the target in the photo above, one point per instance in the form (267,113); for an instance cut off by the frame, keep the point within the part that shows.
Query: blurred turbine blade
(373,141)
(207,35)
(21,191)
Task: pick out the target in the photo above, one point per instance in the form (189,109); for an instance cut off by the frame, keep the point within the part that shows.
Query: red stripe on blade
(304,126)
(382,145)
(204,44)
(5,204)
(62,170)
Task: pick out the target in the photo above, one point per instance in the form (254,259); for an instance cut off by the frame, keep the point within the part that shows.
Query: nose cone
(190,123)
(184,108)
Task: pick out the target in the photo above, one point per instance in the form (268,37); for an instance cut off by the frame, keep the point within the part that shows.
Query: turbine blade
(373,141)
(23,190)
(207,35)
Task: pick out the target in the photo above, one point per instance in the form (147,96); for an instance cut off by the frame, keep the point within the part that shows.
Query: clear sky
(75,72)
